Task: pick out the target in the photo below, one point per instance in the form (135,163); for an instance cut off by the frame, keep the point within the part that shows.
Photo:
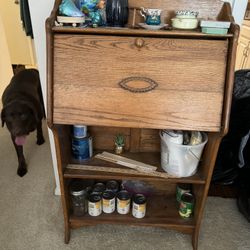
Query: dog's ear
(37,112)
(34,113)
(3,116)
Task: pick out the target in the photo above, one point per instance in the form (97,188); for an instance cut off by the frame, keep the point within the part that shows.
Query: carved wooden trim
(152,84)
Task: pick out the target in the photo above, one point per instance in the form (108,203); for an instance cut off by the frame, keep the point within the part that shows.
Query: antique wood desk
(193,76)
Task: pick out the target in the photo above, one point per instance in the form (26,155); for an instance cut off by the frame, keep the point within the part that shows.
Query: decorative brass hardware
(152,84)
(139,42)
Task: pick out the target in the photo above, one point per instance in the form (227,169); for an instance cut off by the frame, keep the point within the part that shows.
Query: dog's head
(21,118)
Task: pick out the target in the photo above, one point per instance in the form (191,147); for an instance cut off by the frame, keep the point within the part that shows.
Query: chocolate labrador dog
(23,111)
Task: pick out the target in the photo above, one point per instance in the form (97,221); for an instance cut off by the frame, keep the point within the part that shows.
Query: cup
(151,16)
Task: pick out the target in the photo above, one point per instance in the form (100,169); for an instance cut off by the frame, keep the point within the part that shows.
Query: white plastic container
(180,160)
(173,135)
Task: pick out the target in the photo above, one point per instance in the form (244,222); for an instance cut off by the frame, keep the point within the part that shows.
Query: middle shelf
(151,158)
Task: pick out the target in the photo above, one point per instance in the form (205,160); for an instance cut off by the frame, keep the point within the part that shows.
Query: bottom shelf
(161,211)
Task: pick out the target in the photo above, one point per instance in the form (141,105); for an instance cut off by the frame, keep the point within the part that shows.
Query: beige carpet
(31,216)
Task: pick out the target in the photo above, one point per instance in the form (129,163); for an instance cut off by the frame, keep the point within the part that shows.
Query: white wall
(6,71)
(19,45)
(39,11)
(239,8)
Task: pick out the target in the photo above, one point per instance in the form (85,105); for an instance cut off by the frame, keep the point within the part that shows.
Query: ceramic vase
(117,12)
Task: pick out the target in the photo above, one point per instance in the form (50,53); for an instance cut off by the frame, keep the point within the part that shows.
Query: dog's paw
(22,171)
(40,141)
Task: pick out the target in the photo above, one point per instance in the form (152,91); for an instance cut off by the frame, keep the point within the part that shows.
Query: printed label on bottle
(94,208)
(108,206)
(139,210)
(123,206)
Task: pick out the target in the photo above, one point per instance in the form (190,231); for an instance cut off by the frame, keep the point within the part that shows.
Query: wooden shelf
(148,158)
(138,32)
(162,211)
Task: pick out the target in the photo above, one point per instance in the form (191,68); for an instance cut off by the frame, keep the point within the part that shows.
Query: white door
(243,49)
(242,53)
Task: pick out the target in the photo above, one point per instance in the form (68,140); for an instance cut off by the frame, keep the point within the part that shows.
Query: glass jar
(79,196)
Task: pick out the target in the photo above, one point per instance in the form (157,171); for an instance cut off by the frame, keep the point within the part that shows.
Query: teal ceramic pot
(153,20)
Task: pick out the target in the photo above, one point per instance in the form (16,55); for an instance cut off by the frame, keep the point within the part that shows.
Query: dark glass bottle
(117,12)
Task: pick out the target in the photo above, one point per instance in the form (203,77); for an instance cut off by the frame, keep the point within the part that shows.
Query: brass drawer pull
(140,89)
(139,42)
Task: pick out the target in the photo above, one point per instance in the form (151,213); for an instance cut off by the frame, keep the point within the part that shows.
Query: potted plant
(119,143)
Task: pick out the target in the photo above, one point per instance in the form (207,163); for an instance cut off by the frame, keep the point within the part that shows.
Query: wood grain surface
(190,76)
(207,9)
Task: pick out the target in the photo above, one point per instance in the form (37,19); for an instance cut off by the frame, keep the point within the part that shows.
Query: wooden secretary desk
(192,75)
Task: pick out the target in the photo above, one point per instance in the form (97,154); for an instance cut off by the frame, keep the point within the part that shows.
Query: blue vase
(117,12)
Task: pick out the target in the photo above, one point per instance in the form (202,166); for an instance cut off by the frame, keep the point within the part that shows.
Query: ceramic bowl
(184,23)
(186,14)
